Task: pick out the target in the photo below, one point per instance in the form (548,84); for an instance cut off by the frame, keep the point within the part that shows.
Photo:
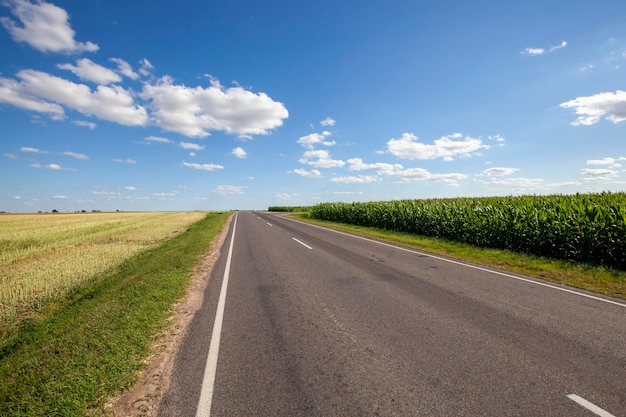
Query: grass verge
(90,346)
(596,279)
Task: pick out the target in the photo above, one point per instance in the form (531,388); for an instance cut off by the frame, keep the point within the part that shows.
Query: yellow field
(46,255)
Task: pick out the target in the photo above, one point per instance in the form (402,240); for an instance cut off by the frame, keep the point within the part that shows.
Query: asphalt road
(318,323)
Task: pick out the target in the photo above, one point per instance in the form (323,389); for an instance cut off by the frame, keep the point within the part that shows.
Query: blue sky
(204,105)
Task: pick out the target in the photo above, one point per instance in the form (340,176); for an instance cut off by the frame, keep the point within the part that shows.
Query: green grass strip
(593,278)
(90,347)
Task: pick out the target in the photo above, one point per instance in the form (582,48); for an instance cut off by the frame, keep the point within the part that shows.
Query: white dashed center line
(589,406)
(302,243)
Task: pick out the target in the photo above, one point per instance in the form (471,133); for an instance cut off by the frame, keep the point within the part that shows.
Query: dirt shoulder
(144,397)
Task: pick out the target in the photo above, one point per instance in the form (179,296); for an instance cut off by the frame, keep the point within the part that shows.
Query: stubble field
(45,256)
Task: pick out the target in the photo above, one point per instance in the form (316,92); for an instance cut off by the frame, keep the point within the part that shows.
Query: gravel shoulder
(144,397)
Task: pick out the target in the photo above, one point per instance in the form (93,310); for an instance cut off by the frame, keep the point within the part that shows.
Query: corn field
(588,228)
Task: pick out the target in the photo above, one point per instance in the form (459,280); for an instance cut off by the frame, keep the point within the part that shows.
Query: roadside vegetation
(577,240)
(86,340)
(589,228)
(288,209)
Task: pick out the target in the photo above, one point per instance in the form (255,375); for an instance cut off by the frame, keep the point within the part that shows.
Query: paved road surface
(318,323)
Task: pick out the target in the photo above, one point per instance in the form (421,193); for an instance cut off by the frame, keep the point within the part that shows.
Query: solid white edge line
(302,243)
(589,406)
(269,224)
(467,265)
(208,381)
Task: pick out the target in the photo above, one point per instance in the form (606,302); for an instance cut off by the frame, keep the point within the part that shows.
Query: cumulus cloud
(421,174)
(76,155)
(605,161)
(533,51)
(608,161)
(145,67)
(203,167)
(228,190)
(87,70)
(446,147)
(328,122)
(598,174)
(51,167)
(194,146)
(157,139)
(590,109)
(43,26)
(11,92)
(309,141)
(84,123)
(32,150)
(541,51)
(195,111)
(499,171)
(38,88)
(320,159)
(358,179)
(314,173)
(239,152)
(381,168)
(124,68)
(124,161)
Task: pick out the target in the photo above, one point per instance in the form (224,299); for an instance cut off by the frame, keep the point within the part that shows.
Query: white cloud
(32,150)
(195,111)
(533,51)
(10,156)
(84,123)
(420,174)
(598,174)
(381,168)
(124,161)
(314,173)
(606,161)
(445,147)
(239,152)
(44,26)
(124,68)
(590,109)
(228,190)
(328,122)
(130,188)
(11,93)
(76,155)
(358,179)
(309,141)
(194,146)
(108,103)
(499,171)
(52,167)
(203,167)
(559,46)
(146,66)
(520,182)
(157,139)
(320,159)
(60,197)
(17,197)
(541,51)
(283,196)
(88,70)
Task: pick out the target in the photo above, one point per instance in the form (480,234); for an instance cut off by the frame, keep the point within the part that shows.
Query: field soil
(144,397)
